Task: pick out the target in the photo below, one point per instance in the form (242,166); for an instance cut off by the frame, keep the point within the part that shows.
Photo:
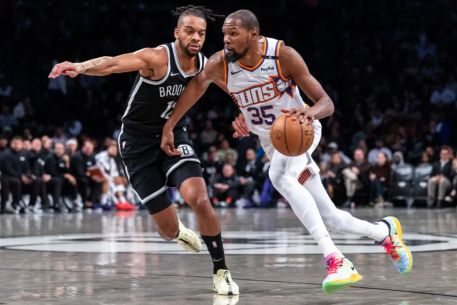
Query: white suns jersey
(262,91)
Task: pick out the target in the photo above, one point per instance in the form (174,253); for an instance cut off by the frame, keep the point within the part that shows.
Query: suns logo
(263,92)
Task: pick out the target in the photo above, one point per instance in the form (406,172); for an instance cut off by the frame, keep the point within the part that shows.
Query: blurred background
(387,65)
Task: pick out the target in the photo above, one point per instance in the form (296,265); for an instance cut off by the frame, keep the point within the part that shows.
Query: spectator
(252,178)
(452,198)
(327,156)
(71,146)
(333,175)
(208,136)
(355,176)
(7,119)
(114,186)
(224,150)
(3,144)
(57,165)
(15,175)
(380,174)
(397,160)
(37,157)
(89,182)
(441,177)
(226,189)
(379,147)
(211,169)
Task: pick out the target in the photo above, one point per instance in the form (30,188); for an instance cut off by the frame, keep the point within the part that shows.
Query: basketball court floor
(118,258)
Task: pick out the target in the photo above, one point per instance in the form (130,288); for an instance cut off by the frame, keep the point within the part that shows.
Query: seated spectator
(251,169)
(71,147)
(114,187)
(89,183)
(211,168)
(224,149)
(327,156)
(333,175)
(440,179)
(3,143)
(397,160)
(37,157)
(380,174)
(15,176)
(355,176)
(452,198)
(379,147)
(208,135)
(227,187)
(57,165)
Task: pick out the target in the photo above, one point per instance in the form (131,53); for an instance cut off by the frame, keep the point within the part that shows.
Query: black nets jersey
(151,102)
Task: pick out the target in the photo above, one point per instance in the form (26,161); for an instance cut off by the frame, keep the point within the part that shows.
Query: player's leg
(387,232)
(188,178)
(341,271)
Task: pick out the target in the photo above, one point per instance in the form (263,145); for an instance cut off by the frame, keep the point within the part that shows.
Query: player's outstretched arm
(213,72)
(293,65)
(140,60)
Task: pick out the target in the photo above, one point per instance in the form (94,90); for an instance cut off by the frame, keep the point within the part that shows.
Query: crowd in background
(388,67)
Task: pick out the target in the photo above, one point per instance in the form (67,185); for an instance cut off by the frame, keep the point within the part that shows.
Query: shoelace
(390,248)
(333,264)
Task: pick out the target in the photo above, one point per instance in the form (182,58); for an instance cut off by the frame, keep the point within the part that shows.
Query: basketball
(289,137)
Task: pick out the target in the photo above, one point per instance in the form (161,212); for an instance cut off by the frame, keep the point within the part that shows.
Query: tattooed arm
(142,60)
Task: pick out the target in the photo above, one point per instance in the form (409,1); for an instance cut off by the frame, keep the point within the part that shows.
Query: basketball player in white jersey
(261,75)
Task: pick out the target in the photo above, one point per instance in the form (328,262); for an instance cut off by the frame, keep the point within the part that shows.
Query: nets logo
(186,150)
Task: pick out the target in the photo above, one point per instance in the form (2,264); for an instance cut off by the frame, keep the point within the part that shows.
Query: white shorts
(295,166)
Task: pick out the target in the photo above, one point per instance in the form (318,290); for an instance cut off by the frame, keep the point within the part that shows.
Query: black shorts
(150,171)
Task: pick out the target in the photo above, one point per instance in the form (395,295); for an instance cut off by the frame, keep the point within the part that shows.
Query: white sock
(339,220)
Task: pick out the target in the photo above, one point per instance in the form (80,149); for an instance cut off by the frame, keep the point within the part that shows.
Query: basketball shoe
(223,283)
(340,273)
(394,246)
(188,239)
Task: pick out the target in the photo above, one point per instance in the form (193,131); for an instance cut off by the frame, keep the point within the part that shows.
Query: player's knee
(275,177)
(200,203)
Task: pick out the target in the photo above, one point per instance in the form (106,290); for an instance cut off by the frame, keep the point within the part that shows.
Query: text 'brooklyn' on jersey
(152,101)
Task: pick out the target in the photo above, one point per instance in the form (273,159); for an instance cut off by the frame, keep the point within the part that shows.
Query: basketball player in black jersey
(163,73)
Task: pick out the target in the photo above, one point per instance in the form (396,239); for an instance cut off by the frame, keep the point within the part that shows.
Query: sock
(216,250)
(380,230)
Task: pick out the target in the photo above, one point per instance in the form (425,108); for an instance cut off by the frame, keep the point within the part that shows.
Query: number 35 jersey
(262,91)
(152,101)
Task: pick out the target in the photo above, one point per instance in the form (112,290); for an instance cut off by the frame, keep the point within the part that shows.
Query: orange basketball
(289,137)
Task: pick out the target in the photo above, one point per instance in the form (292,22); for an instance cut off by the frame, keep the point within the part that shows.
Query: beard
(186,49)
(233,56)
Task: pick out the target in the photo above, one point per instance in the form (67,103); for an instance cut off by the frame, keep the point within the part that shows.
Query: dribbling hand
(240,126)
(304,115)
(168,143)
(65,68)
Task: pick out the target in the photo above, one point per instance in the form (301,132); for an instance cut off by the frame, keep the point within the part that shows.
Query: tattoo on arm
(85,66)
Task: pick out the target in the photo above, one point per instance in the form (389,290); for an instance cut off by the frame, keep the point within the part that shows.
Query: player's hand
(304,115)
(240,126)
(65,68)
(168,142)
